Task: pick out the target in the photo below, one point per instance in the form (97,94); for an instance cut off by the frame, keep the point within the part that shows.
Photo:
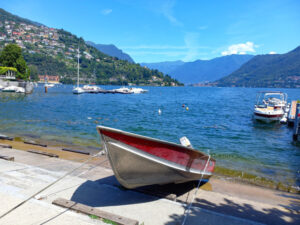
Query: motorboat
(14,89)
(91,89)
(123,90)
(78,90)
(271,106)
(138,90)
(49,85)
(140,161)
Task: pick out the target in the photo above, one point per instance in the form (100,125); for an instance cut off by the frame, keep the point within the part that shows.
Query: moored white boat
(271,106)
(13,89)
(91,89)
(123,90)
(139,161)
(138,90)
(49,85)
(78,90)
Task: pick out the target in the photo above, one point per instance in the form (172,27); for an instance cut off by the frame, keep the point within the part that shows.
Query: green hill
(279,70)
(54,52)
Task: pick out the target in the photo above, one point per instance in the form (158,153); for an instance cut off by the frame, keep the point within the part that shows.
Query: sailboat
(78,90)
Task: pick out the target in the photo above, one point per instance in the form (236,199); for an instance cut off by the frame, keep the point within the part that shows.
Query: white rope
(32,196)
(187,211)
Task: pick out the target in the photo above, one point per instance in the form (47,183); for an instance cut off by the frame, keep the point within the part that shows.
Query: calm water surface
(218,120)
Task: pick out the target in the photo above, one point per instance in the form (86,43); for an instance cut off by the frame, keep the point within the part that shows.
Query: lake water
(218,120)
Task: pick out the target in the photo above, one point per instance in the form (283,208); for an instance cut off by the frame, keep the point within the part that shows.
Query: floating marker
(159,111)
(187,108)
(89,118)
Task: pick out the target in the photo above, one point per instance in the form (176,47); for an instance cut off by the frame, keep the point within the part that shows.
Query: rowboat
(140,161)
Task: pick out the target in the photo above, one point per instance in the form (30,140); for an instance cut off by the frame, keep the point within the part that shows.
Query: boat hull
(141,166)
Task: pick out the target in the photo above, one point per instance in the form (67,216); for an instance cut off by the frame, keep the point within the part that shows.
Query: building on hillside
(8,73)
(49,79)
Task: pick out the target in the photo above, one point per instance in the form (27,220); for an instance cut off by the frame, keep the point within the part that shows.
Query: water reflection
(11,96)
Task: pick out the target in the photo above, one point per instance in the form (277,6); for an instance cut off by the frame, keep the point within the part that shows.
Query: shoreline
(221,173)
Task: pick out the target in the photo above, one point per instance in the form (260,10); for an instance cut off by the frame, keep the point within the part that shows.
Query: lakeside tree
(33,73)
(11,56)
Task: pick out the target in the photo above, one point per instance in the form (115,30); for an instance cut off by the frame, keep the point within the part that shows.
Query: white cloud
(167,10)
(202,27)
(272,53)
(242,48)
(191,40)
(106,11)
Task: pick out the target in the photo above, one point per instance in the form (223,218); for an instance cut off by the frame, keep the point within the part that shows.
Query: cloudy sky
(167,30)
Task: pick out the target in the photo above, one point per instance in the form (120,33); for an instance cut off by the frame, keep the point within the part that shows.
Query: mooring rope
(187,211)
(49,185)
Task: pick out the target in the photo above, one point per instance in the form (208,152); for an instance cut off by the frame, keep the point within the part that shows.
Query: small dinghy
(139,161)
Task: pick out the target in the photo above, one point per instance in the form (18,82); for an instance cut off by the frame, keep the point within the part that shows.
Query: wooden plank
(33,143)
(93,211)
(76,151)
(5,146)
(43,153)
(9,158)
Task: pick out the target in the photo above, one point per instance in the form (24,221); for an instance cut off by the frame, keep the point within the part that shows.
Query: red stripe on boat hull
(176,154)
(268,116)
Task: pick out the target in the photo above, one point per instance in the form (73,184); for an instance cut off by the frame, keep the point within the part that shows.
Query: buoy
(89,118)
(159,111)
(187,108)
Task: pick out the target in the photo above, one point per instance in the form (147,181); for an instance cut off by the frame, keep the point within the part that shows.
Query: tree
(33,73)
(11,56)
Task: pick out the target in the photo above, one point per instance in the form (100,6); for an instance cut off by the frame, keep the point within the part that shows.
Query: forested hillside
(279,70)
(54,52)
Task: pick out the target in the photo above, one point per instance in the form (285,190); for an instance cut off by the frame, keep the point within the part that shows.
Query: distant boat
(138,90)
(49,85)
(14,89)
(78,90)
(139,161)
(123,90)
(91,89)
(271,106)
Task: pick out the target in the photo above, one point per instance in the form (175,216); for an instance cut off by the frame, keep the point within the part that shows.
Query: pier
(296,123)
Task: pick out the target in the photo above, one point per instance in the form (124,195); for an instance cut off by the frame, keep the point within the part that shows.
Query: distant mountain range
(165,67)
(279,70)
(111,50)
(201,71)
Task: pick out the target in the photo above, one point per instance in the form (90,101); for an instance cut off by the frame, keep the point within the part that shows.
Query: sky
(169,30)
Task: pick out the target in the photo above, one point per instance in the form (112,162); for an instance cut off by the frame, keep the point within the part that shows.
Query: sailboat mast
(78,68)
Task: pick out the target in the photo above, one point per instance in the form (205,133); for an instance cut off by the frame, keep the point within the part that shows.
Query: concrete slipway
(94,185)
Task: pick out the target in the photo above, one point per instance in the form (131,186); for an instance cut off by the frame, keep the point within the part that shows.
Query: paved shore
(93,184)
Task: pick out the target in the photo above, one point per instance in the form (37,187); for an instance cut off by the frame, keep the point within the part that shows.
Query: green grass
(104,220)
(94,217)
(109,221)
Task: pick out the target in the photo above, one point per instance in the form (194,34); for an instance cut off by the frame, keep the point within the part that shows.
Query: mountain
(165,67)
(201,71)
(278,70)
(54,52)
(111,50)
